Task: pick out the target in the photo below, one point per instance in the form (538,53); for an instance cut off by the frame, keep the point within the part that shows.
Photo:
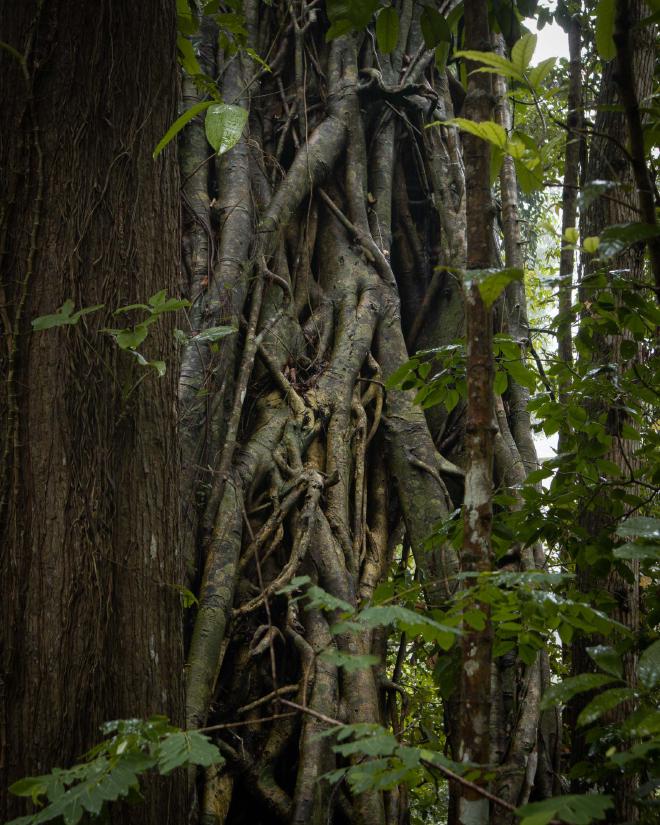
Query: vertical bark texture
(89,521)
(475,698)
(608,162)
(574,141)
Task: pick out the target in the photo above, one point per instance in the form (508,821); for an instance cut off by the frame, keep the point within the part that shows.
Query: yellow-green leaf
(591,244)
(523,51)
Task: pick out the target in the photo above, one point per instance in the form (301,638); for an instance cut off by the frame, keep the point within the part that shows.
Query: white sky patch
(552,42)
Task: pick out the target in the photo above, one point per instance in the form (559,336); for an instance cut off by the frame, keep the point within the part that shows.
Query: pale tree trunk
(89,525)
(328,237)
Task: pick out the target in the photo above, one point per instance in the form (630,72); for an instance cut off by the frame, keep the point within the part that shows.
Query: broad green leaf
(576,810)
(224,126)
(607,659)
(591,244)
(491,282)
(493,61)
(257,59)
(187,748)
(496,160)
(435,29)
(640,526)
(571,235)
(338,29)
(387,29)
(213,334)
(32,786)
(614,239)
(487,130)
(186,23)
(632,550)
(441,55)
(65,316)
(179,123)
(530,179)
(129,338)
(538,74)
(523,51)
(187,56)
(602,703)
(649,666)
(570,687)
(605,11)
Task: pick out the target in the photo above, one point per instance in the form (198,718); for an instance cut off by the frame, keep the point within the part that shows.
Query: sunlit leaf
(224,126)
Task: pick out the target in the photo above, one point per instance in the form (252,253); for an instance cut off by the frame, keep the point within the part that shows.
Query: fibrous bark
(89,517)
(299,460)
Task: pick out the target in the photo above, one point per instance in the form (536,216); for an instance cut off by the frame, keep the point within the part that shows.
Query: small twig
(281,691)
(263,719)
(327,719)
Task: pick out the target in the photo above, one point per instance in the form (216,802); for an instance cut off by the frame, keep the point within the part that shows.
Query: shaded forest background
(288,289)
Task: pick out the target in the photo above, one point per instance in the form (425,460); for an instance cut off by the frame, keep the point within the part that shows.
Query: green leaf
(487,130)
(591,244)
(161,303)
(605,29)
(538,74)
(63,317)
(32,786)
(185,21)
(350,662)
(387,29)
(338,28)
(607,659)
(577,810)
(649,666)
(441,55)
(494,61)
(570,687)
(435,29)
(614,239)
(130,338)
(602,703)
(187,748)
(187,56)
(523,51)
(179,123)
(491,282)
(159,366)
(496,160)
(632,550)
(530,178)
(571,235)
(213,334)
(640,526)
(257,59)
(224,126)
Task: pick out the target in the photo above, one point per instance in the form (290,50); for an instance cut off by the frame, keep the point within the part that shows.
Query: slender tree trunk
(476,646)
(91,618)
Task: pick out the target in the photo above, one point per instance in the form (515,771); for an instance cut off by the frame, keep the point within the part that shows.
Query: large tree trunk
(329,237)
(89,524)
